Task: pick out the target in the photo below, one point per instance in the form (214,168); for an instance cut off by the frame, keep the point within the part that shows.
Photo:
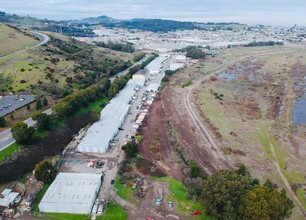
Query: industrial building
(71,193)
(155,65)
(153,87)
(101,133)
(140,77)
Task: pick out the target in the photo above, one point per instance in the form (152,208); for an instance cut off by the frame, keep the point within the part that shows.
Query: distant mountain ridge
(82,27)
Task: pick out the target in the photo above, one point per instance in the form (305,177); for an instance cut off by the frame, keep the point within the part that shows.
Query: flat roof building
(71,193)
(154,66)
(101,133)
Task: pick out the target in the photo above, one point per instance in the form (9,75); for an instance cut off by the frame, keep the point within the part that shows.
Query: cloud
(246,11)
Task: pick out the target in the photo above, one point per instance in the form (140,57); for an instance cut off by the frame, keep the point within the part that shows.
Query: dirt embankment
(156,145)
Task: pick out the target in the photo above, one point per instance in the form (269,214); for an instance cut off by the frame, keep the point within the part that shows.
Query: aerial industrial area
(137,124)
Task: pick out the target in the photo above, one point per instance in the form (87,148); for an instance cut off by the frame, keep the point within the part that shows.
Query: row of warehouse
(77,192)
(112,116)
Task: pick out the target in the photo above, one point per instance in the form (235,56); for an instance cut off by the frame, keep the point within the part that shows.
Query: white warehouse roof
(71,193)
(140,79)
(153,87)
(154,66)
(112,116)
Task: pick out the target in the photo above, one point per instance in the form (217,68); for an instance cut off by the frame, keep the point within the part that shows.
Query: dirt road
(284,179)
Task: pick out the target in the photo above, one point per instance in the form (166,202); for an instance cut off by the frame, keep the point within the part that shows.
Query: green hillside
(12,40)
(60,67)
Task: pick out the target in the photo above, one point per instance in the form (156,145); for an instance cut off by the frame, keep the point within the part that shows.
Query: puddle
(229,76)
(298,115)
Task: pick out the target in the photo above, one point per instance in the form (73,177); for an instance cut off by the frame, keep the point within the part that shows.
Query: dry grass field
(12,40)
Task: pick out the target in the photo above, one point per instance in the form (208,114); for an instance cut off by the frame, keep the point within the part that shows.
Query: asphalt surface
(10,103)
(6,137)
(43,38)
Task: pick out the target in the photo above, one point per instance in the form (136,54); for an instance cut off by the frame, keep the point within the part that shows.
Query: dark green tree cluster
(38,104)
(43,121)
(22,133)
(138,56)
(123,47)
(72,103)
(45,172)
(235,195)
(2,122)
(194,52)
(131,149)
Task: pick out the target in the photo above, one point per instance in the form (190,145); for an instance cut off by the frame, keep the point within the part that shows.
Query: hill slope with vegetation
(59,68)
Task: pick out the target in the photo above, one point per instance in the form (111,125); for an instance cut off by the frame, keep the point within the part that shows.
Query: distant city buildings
(214,39)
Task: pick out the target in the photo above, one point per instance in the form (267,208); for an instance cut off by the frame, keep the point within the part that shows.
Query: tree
(2,122)
(265,203)
(221,193)
(43,120)
(45,101)
(95,116)
(38,104)
(195,170)
(45,172)
(22,133)
(131,149)
(243,170)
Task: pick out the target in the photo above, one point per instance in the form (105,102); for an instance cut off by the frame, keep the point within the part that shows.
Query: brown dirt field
(194,146)
(156,145)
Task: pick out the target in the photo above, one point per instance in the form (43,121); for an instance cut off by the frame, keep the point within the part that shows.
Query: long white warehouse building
(154,66)
(100,134)
(71,193)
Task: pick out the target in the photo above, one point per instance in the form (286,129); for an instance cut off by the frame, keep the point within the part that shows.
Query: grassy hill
(13,39)
(58,68)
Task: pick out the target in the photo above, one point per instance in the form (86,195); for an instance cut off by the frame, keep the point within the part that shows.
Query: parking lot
(10,103)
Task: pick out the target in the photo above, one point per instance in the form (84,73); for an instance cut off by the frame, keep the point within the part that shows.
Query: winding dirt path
(284,179)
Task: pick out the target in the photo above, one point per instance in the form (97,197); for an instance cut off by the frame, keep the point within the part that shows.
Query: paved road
(6,137)
(43,38)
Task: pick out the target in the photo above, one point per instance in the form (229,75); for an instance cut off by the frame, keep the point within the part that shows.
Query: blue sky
(271,12)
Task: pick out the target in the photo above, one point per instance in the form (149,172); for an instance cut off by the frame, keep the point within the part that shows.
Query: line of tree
(72,103)
(149,60)
(264,43)
(117,85)
(123,47)
(138,56)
